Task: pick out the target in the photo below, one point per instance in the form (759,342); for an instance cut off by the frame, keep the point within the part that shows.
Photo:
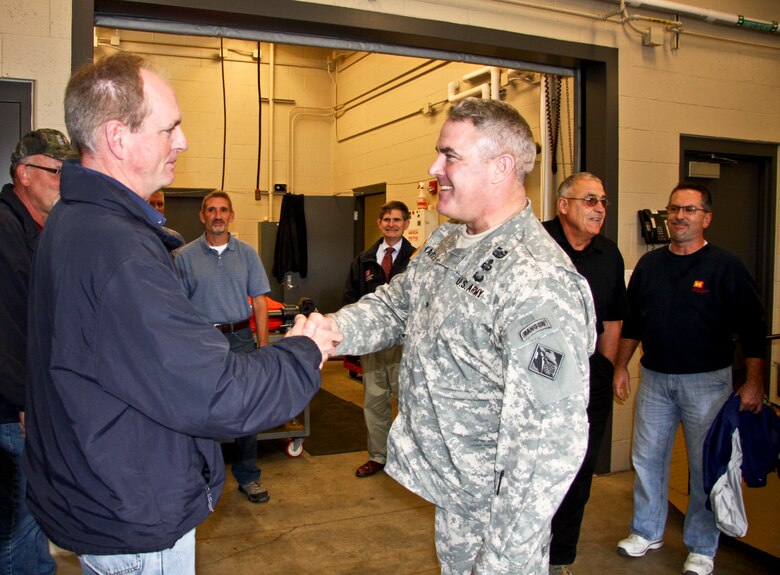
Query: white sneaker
(636,546)
(698,564)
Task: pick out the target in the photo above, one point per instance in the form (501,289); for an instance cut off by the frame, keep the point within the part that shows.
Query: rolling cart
(280,319)
(294,431)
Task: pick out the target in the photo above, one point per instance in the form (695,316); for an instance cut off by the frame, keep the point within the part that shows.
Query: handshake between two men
(322,330)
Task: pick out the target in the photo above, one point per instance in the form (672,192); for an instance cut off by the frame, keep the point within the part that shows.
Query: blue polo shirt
(218,284)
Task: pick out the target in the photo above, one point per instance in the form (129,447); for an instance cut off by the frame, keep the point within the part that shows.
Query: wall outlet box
(280,188)
(652,38)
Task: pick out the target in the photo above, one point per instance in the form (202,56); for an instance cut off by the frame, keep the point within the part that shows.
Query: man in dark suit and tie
(370,269)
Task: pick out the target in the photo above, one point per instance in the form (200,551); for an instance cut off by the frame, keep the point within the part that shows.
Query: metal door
(743,201)
(743,185)
(15,118)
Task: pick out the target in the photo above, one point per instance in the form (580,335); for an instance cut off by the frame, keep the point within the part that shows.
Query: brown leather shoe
(369,468)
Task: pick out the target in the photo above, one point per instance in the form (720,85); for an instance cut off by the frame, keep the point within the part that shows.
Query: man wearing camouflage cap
(24,206)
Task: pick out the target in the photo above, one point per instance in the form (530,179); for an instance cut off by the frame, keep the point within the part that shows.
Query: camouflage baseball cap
(46,141)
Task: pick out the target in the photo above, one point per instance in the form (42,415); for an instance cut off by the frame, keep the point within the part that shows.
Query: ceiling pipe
(483,91)
(495,79)
(271,128)
(490,89)
(709,16)
(292,117)
(527,77)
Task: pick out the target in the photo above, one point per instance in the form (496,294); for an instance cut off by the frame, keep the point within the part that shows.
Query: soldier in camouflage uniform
(497,328)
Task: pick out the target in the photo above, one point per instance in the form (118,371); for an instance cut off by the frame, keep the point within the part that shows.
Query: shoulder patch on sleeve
(543,361)
(546,361)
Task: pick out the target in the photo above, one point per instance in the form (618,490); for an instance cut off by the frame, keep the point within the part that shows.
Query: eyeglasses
(673,209)
(55,171)
(591,201)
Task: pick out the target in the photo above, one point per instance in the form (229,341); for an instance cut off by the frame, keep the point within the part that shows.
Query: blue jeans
(179,559)
(24,549)
(662,402)
(245,468)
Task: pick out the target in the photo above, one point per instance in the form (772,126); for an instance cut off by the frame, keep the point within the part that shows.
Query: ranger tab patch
(534,327)
(546,361)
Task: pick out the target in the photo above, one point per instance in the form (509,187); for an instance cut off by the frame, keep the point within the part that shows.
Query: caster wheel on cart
(294,448)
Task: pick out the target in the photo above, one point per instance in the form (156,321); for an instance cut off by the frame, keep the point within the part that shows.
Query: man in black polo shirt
(582,205)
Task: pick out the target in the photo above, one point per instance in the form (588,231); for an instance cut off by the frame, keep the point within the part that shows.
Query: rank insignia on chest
(499,252)
(546,361)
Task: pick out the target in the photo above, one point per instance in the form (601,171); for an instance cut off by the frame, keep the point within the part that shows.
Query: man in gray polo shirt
(219,274)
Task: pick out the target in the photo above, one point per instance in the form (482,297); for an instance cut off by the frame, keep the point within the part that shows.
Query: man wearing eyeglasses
(582,208)
(24,206)
(686,303)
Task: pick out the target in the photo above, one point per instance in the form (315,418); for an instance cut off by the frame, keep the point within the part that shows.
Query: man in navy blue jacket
(129,386)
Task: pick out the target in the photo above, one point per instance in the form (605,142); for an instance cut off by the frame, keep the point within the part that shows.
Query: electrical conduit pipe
(710,16)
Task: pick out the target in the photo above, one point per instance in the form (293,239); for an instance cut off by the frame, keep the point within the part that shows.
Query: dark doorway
(330,245)
(742,182)
(743,200)
(182,210)
(368,201)
(16,119)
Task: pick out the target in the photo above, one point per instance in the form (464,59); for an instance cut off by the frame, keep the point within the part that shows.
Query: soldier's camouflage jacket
(494,381)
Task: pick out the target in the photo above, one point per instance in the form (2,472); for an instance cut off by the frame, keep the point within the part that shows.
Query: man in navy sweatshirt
(686,302)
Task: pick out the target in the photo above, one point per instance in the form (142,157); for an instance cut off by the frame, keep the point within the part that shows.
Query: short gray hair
(569,182)
(108,89)
(503,129)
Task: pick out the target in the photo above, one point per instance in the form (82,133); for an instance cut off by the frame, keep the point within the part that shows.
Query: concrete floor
(322,519)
